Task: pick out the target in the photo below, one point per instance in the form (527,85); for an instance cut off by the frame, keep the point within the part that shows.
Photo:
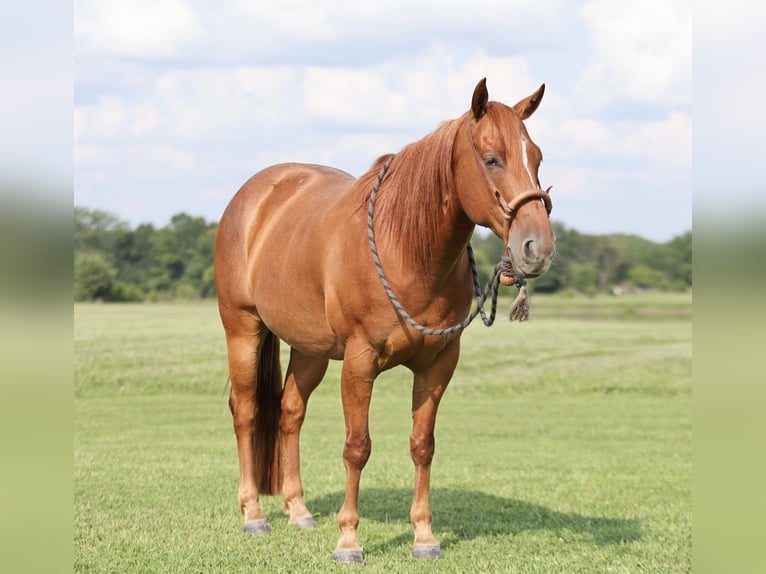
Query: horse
(301,257)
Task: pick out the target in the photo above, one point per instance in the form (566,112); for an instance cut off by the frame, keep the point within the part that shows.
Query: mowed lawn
(563,445)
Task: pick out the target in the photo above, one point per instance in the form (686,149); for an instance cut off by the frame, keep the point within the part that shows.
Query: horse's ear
(480,99)
(528,105)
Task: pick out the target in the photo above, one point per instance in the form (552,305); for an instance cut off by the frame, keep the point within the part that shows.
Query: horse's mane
(408,205)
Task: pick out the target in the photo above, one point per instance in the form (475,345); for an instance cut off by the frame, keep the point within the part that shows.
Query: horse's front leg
(357,377)
(427,391)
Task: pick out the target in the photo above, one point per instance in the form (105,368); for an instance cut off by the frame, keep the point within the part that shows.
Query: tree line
(116,262)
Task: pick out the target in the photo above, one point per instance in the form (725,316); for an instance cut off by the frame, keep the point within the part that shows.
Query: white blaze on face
(526,163)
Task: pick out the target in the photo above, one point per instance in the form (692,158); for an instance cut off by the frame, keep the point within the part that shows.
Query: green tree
(608,259)
(679,268)
(181,252)
(133,256)
(96,230)
(569,250)
(646,277)
(583,277)
(199,268)
(94,276)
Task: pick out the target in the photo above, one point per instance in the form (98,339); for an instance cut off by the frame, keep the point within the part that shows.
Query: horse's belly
(315,342)
(289,294)
(329,348)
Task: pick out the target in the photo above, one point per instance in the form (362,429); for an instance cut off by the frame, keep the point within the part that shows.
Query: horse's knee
(356,451)
(422,449)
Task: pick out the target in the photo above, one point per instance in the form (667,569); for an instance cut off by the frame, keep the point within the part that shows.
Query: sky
(178,102)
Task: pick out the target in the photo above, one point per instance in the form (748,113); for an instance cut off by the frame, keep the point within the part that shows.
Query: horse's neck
(452,241)
(447,245)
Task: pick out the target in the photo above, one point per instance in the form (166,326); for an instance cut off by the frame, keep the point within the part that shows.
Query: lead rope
(502,272)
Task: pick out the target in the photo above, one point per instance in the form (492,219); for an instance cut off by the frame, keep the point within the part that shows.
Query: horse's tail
(268,396)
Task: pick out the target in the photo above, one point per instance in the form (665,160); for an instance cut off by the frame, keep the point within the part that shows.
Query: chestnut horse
(293,262)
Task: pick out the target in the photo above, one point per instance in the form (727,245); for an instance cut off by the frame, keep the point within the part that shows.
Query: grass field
(563,445)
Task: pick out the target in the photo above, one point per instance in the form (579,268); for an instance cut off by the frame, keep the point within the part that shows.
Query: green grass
(563,445)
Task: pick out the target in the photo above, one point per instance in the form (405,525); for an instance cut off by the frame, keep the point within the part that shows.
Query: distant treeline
(114,262)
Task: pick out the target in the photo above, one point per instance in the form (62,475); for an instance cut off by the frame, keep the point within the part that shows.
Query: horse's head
(496,166)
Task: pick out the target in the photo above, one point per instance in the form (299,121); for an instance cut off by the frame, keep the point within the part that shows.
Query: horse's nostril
(529,250)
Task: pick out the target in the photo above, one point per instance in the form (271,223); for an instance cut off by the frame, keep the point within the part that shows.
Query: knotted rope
(503,271)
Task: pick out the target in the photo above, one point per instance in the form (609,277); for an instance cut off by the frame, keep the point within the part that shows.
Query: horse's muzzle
(532,256)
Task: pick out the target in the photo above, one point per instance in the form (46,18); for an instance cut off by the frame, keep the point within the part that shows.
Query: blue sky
(178,102)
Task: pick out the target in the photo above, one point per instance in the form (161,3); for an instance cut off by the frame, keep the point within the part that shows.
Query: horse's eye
(492,161)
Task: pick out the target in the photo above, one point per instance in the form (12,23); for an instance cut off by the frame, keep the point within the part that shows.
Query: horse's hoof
(431,552)
(257,527)
(305,523)
(348,556)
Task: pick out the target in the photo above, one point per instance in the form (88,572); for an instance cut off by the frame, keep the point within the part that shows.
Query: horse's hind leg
(245,340)
(304,373)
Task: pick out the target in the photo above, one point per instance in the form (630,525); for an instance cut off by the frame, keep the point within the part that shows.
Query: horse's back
(281,186)
(288,187)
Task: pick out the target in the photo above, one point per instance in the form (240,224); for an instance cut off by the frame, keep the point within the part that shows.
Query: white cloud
(192,107)
(308,32)
(305,19)
(391,27)
(139,28)
(156,160)
(105,120)
(146,119)
(664,143)
(420,91)
(572,181)
(642,52)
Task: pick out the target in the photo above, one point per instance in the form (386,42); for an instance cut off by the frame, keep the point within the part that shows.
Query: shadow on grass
(466,515)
